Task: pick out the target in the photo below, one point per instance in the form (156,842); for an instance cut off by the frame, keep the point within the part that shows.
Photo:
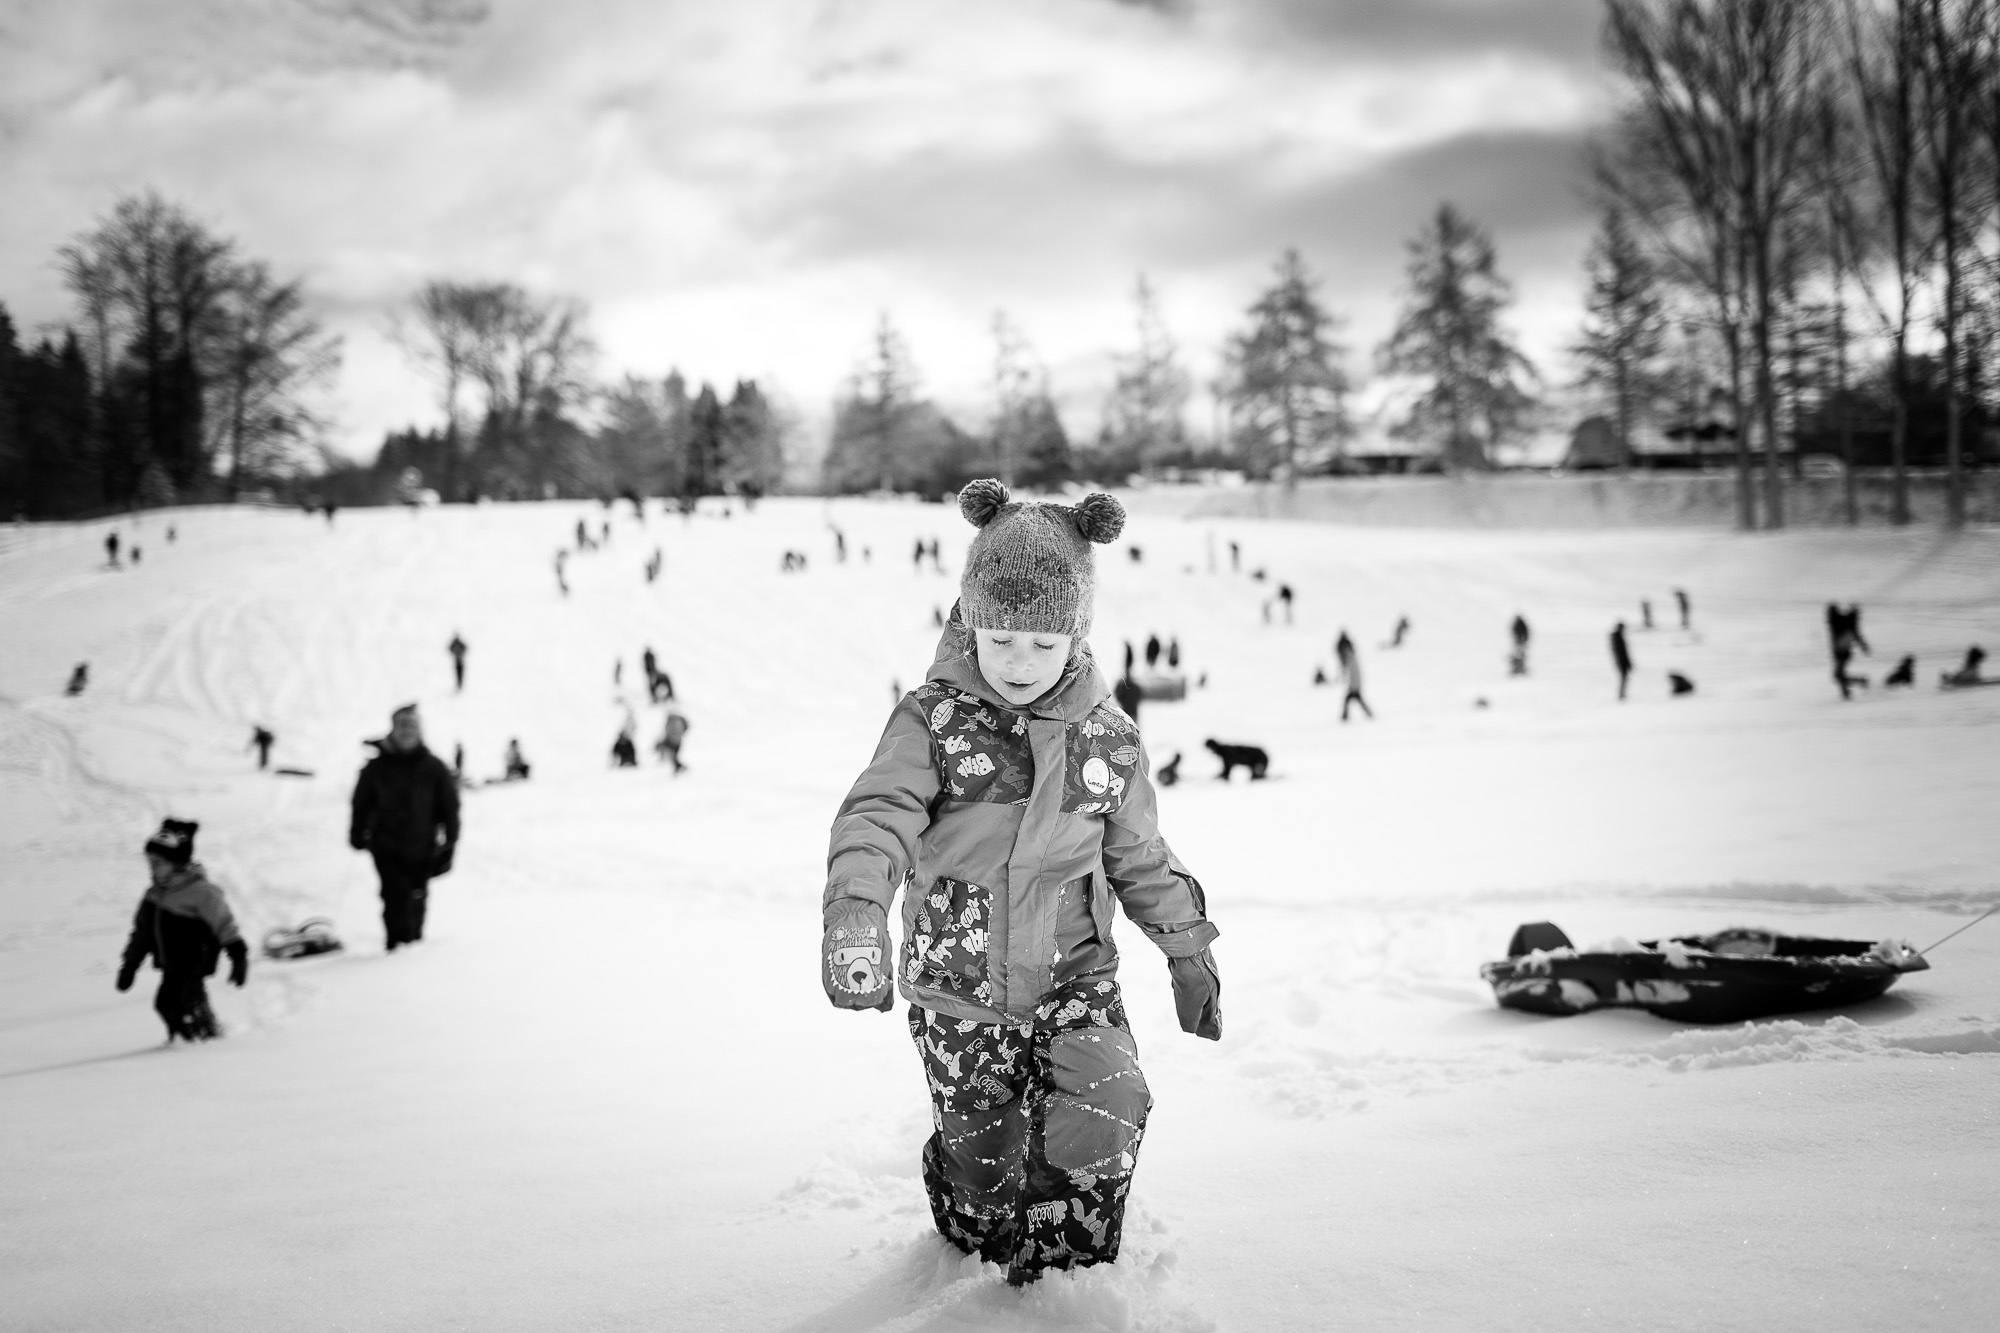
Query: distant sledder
(1970,673)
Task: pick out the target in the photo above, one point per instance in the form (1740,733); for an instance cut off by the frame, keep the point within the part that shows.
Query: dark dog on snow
(1904,674)
(1251,757)
(1170,772)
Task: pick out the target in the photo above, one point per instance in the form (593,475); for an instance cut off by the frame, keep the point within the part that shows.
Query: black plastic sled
(1727,977)
(313,935)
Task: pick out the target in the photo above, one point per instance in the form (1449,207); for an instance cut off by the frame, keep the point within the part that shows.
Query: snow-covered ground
(607,1093)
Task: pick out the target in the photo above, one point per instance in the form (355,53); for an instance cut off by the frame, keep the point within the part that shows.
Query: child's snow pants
(1038,1130)
(182,1004)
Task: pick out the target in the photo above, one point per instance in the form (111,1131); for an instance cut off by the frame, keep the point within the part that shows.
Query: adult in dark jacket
(184,925)
(1621,658)
(406,817)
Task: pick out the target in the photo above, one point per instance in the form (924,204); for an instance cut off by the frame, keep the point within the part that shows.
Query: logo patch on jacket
(1103,757)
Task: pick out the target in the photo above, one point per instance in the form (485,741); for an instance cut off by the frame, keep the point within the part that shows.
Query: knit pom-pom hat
(174,843)
(1030,568)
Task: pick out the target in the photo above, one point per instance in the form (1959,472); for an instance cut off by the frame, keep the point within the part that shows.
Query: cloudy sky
(737,187)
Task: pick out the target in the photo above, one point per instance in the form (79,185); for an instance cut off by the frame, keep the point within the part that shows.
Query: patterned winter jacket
(1016,828)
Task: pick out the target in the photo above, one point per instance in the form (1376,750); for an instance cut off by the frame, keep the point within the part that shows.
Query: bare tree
(1712,154)
(150,279)
(1883,55)
(526,354)
(1837,183)
(270,350)
(1952,51)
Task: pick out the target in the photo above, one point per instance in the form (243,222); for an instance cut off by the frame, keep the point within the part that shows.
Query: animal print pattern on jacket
(948,950)
(983,754)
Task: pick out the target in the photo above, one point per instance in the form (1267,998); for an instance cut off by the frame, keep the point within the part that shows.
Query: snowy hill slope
(607,1093)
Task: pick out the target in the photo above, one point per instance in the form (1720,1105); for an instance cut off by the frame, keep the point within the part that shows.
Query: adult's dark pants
(1038,1131)
(182,1004)
(405,892)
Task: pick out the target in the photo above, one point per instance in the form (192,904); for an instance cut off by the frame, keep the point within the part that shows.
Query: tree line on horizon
(1797,253)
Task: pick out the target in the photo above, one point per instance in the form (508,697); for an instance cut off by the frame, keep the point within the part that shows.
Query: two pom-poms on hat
(1099,517)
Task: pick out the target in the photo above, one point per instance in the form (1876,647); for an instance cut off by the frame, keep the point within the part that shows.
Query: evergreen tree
(61,470)
(1449,334)
(1283,381)
(707,447)
(884,436)
(13,444)
(1624,328)
(1145,419)
(755,435)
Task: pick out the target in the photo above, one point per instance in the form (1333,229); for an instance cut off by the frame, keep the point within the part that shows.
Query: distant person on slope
(457,650)
(405,815)
(1517,661)
(1350,677)
(672,732)
(516,766)
(261,740)
(1621,658)
(185,926)
(1029,798)
(1843,631)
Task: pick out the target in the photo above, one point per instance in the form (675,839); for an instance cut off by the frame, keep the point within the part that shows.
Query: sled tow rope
(1967,926)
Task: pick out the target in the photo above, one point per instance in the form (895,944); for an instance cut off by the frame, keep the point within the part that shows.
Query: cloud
(739,188)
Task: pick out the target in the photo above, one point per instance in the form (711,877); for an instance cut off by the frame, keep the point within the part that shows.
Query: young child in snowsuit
(184,925)
(1015,800)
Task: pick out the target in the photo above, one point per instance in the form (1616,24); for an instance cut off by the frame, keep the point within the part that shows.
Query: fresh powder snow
(606,1091)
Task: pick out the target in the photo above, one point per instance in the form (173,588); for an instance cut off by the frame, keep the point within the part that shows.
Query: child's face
(1021,667)
(159,868)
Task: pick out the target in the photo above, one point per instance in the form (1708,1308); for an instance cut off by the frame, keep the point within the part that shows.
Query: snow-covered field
(606,1092)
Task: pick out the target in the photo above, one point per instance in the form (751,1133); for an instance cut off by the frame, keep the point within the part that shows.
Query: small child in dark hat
(184,925)
(1017,795)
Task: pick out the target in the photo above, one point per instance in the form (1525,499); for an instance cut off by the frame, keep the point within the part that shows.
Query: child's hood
(1080,689)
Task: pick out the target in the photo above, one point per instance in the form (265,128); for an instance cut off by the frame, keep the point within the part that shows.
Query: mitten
(239,962)
(441,860)
(1197,994)
(125,975)
(855,966)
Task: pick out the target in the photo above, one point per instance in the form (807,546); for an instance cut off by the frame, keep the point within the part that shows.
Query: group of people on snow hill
(1016,802)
